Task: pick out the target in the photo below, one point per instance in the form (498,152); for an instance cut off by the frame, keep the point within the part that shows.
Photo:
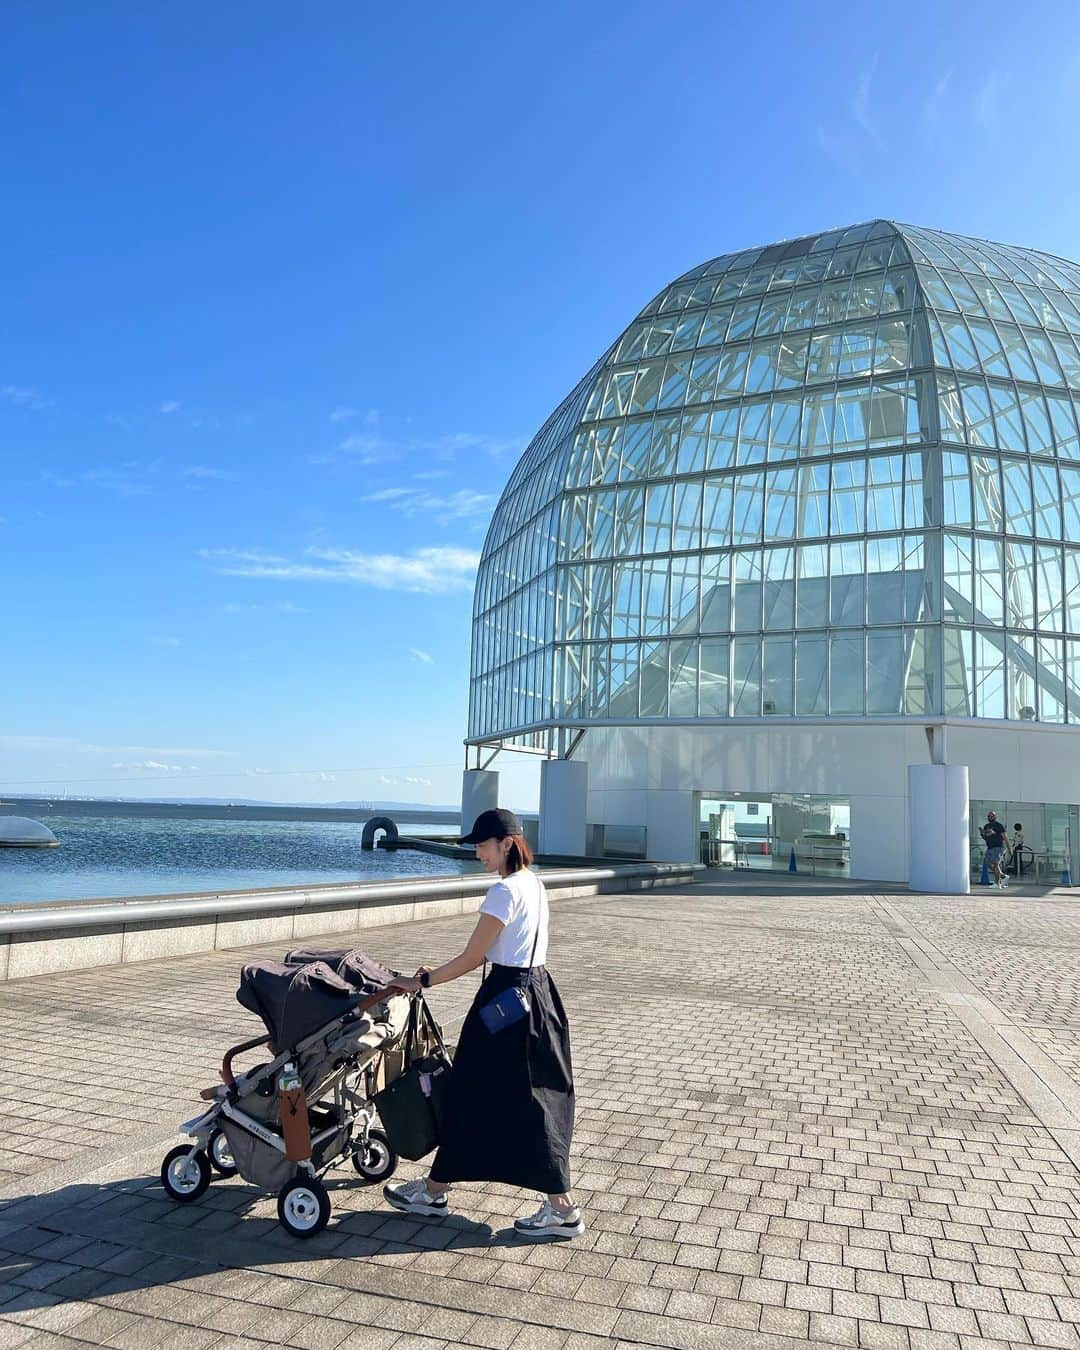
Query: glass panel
(1051,680)
(1016,477)
(654,597)
(723,438)
(784,427)
(746,677)
(849,496)
(1047,369)
(636,439)
(714,329)
(813,501)
(884,581)
(658,500)
(753,433)
(817,422)
(1047,501)
(693,439)
(716,520)
(978,419)
(629,512)
(950,410)
(847,585)
(847,662)
(1007,419)
(813,586)
(1019,589)
(623,701)
(626,620)
(810,684)
(702,384)
(987,678)
(713,688)
(646,390)
(684,593)
(885,672)
(748,591)
(777,677)
(598,601)
(1021,670)
(1049,588)
(958,663)
(884,496)
(653,679)
(915,513)
(1070,502)
(601,523)
(664,445)
(986,487)
(687,532)
(682,701)
(779,588)
(1020,364)
(921,680)
(571,603)
(1072,656)
(920,582)
(780,500)
(731,371)
(1036,422)
(851,419)
(956,487)
(716,593)
(1072,590)
(1063,420)
(747,510)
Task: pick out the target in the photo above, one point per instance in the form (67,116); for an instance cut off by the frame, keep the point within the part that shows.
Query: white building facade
(811,522)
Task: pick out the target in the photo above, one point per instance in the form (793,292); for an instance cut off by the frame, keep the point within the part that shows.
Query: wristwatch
(425,979)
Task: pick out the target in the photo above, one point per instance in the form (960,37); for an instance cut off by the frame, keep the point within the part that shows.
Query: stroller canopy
(355,967)
(294,1001)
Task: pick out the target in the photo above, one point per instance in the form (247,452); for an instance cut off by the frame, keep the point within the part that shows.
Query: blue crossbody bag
(512,1004)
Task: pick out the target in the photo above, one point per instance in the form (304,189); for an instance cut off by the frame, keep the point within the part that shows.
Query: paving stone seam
(1052,1095)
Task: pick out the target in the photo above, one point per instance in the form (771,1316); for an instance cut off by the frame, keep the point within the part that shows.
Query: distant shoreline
(41,808)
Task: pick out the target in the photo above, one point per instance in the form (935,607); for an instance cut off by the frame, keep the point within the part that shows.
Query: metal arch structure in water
(373,826)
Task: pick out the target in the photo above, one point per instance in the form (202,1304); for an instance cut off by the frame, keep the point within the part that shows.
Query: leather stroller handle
(227,1076)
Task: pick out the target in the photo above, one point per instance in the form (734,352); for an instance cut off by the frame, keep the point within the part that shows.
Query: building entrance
(1043,837)
(759,831)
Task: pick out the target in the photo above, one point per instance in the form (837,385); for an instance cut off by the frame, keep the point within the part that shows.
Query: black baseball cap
(497,824)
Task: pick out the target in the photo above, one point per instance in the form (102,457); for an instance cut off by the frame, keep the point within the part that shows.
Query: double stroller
(335,1034)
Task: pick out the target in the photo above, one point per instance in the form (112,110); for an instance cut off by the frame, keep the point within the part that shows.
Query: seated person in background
(1016,845)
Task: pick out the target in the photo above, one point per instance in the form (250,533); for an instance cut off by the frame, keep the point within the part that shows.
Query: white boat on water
(21,832)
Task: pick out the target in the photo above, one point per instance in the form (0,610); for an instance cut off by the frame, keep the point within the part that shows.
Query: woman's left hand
(405,983)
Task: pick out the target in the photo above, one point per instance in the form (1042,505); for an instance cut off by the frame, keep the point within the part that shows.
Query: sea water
(116,855)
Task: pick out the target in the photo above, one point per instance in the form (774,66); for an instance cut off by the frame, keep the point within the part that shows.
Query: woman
(510,1114)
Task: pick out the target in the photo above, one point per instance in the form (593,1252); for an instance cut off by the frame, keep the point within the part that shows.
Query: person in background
(993,834)
(1016,845)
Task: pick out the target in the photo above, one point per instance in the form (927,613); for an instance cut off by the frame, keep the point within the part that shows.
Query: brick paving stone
(816,1148)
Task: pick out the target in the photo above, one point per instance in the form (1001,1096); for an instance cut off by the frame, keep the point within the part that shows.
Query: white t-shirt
(519,901)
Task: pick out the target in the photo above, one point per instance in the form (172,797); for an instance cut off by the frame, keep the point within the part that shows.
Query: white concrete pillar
(564,788)
(671,827)
(479,792)
(938,858)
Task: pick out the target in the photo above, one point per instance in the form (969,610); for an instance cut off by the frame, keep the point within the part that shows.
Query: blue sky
(286,291)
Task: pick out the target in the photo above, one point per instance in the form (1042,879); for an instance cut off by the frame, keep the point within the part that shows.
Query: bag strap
(536,935)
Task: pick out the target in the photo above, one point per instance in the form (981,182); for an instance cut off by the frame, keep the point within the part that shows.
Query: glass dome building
(817,505)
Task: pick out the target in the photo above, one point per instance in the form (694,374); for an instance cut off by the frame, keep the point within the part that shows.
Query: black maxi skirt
(510,1108)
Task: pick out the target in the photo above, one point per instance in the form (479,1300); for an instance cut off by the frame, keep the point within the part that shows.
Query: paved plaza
(804,1116)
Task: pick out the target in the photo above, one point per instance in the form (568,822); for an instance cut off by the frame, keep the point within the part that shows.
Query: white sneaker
(1004,883)
(413,1197)
(549,1222)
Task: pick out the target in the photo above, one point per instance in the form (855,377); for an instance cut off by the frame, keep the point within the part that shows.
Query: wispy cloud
(170,406)
(932,106)
(425,658)
(23,397)
(465,504)
(344,414)
(986,104)
(860,103)
(426,475)
(82,747)
(284,607)
(430,571)
(158,766)
(202,471)
(375,446)
(408,781)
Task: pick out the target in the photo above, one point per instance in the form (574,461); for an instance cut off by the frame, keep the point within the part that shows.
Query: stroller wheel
(375,1160)
(303,1206)
(221,1158)
(184,1175)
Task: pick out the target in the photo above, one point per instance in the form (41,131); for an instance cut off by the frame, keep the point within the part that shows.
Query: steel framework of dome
(833,478)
